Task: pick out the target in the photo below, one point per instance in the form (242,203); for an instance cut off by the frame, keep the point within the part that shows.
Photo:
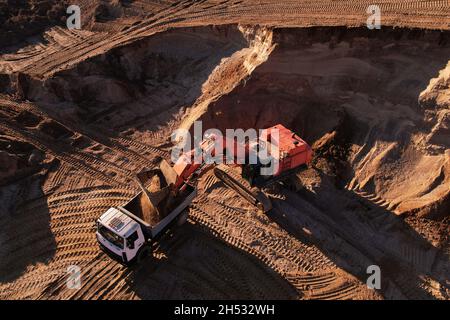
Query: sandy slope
(116,25)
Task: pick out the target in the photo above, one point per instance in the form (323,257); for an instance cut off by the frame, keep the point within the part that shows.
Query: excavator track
(253,195)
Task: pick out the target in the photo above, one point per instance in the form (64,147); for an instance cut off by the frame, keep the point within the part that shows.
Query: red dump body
(293,150)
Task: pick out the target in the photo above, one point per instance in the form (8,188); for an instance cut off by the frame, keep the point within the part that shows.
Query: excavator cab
(254,173)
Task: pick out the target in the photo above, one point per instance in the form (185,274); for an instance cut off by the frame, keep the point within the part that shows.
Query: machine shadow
(194,264)
(372,234)
(26,235)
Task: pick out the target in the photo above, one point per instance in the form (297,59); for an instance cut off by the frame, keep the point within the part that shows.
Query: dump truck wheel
(144,253)
(182,218)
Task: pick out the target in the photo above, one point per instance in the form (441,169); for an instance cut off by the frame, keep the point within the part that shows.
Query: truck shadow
(194,264)
(355,233)
(26,236)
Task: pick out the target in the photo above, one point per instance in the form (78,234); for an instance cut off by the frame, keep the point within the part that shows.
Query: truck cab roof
(118,222)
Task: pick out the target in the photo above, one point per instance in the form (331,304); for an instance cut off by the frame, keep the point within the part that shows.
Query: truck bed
(140,205)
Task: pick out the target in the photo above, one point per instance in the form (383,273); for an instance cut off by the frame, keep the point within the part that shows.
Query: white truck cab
(120,234)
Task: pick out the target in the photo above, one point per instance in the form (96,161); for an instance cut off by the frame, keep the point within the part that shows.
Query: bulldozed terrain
(82,111)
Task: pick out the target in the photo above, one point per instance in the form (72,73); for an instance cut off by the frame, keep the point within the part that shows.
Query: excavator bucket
(169,173)
(152,199)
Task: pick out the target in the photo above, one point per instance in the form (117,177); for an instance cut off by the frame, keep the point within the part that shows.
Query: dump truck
(128,233)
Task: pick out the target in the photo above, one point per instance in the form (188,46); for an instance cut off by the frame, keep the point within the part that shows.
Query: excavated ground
(377,193)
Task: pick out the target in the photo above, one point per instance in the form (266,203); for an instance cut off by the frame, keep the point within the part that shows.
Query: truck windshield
(110,236)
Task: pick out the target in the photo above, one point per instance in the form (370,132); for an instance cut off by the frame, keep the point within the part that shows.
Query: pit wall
(354,96)
(163,72)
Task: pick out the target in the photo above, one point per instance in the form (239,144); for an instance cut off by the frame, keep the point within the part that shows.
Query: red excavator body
(284,146)
(293,151)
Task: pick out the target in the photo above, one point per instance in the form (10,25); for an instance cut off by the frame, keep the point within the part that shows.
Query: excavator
(292,153)
(128,233)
